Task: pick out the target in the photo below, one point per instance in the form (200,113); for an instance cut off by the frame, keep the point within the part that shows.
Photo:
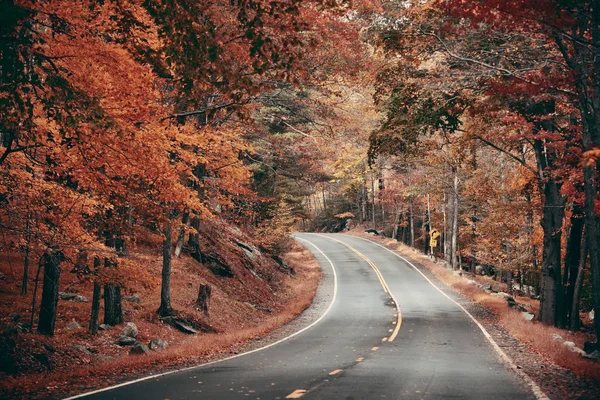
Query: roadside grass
(236,323)
(533,333)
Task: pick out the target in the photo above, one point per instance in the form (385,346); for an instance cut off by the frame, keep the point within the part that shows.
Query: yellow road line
(384,284)
(359,359)
(374,348)
(335,372)
(296,394)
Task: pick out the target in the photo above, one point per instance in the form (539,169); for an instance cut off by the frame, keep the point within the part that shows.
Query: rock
(130,330)
(571,346)
(73,325)
(372,232)
(104,327)
(82,349)
(157,344)
(139,348)
(72,297)
(132,299)
(505,295)
(15,317)
(595,355)
(527,316)
(104,358)
(591,315)
(557,338)
(126,341)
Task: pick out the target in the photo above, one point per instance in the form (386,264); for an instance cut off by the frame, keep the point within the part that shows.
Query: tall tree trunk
(93,326)
(113,310)
(26,260)
(165,292)
(445,229)
(373,199)
(411,222)
(47,319)
(571,266)
(454,242)
(553,214)
(203,299)
(574,322)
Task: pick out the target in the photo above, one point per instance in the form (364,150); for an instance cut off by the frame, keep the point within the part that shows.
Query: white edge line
(335,290)
(398,308)
(537,391)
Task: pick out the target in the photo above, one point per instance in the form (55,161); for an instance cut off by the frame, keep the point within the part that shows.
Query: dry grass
(234,316)
(533,333)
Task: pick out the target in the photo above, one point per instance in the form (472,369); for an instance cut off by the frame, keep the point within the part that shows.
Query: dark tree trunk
(93,327)
(95,308)
(113,311)
(165,292)
(195,240)
(204,297)
(571,267)
(26,261)
(47,320)
(574,322)
(551,265)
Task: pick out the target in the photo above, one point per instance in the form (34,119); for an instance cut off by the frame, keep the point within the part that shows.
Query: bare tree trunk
(26,261)
(551,267)
(574,325)
(445,230)
(571,267)
(373,199)
(411,222)
(454,243)
(113,310)
(93,326)
(165,292)
(204,297)
(47,319)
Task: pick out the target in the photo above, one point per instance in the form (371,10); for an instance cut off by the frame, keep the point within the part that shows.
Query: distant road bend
(361,347)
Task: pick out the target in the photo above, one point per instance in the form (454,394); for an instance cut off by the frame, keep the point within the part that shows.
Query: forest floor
(560,372)
(260,297)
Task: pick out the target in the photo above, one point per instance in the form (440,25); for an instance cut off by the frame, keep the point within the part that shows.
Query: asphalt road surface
(360,348)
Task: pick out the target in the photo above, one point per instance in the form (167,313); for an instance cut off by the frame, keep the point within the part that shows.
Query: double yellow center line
(384,284)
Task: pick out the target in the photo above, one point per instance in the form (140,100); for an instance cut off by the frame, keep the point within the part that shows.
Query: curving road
(361,347)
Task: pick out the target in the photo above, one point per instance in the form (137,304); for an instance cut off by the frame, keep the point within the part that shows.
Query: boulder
(591,315)
(557,338)
(104,327)
(82,349)
(132,299)
(130,330)
(72,297)
(73,325)
(104,358)
(126,341)
(157,344)
(527,315)
(139,348)
(571,346)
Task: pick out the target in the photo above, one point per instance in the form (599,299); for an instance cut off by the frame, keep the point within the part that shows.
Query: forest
(209,131)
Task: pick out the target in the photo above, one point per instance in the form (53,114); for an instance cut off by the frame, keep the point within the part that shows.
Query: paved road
(355,350)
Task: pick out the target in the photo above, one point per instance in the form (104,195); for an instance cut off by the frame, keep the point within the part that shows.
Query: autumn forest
(171,147)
